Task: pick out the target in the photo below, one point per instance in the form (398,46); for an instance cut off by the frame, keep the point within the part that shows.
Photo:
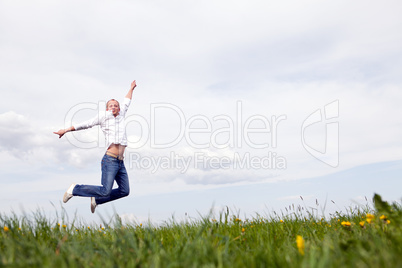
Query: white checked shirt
(114,128)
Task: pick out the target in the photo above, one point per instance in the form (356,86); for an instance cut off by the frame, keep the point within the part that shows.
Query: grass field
(363,237)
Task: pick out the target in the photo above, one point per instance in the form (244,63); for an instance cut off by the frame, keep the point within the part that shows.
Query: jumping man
(113,169)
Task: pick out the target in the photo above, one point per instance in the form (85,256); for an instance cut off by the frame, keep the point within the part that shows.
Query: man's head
(113,106)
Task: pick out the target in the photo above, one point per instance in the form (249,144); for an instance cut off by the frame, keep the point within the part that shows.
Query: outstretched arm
(130,92)
(61,132)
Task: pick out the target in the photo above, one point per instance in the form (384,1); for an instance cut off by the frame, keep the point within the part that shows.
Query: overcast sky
(245,104)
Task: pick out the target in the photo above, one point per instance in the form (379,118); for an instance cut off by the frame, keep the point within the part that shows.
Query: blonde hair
(107,103)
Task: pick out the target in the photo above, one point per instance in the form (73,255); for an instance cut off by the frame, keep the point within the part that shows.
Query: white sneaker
(93,204)
(69,193)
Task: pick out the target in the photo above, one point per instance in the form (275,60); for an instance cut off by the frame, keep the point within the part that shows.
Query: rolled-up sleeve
(126,104)
(88,124)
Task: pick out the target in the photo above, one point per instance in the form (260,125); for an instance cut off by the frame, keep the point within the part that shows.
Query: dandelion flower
(361,224)
(281,220)
(6,229)
(383,217)
(243,230)
(346,223)
(300,244)
(388,222)
(369,217)
(64,226)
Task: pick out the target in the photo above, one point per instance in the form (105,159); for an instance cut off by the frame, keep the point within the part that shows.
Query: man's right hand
(61,132)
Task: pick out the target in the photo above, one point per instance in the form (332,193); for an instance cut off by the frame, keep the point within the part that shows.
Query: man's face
(114,107)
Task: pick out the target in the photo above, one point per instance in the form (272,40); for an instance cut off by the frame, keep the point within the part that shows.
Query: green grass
(226,241)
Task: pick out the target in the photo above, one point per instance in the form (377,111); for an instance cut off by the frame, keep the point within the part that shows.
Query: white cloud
(29,142)
(17,134)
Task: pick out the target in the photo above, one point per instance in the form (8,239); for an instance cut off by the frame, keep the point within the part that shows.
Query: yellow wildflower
(6,229)
(64,226)
(346,223)
(300,244)
(383,217)
(388,222)
(369,217)
(361,224)
(243,230)
(281,220)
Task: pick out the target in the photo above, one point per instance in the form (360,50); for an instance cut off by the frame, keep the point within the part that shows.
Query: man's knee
(125,191)
(105,192)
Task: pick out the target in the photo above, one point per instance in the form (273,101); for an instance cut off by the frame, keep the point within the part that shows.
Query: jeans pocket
(107,160)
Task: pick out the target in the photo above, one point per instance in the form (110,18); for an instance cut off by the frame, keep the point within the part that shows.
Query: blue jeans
(112,170)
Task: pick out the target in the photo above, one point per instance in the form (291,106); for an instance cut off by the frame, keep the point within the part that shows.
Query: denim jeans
(112,170)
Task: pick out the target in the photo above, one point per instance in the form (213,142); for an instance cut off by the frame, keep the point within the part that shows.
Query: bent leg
(109,170)
(123,187)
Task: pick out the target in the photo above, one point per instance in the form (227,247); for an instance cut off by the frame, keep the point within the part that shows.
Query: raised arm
(61,132)
(130,92)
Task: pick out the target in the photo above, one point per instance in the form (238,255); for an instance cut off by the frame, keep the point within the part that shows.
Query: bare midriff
(117,149)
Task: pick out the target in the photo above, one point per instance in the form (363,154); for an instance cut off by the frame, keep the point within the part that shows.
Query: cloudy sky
(244,104)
